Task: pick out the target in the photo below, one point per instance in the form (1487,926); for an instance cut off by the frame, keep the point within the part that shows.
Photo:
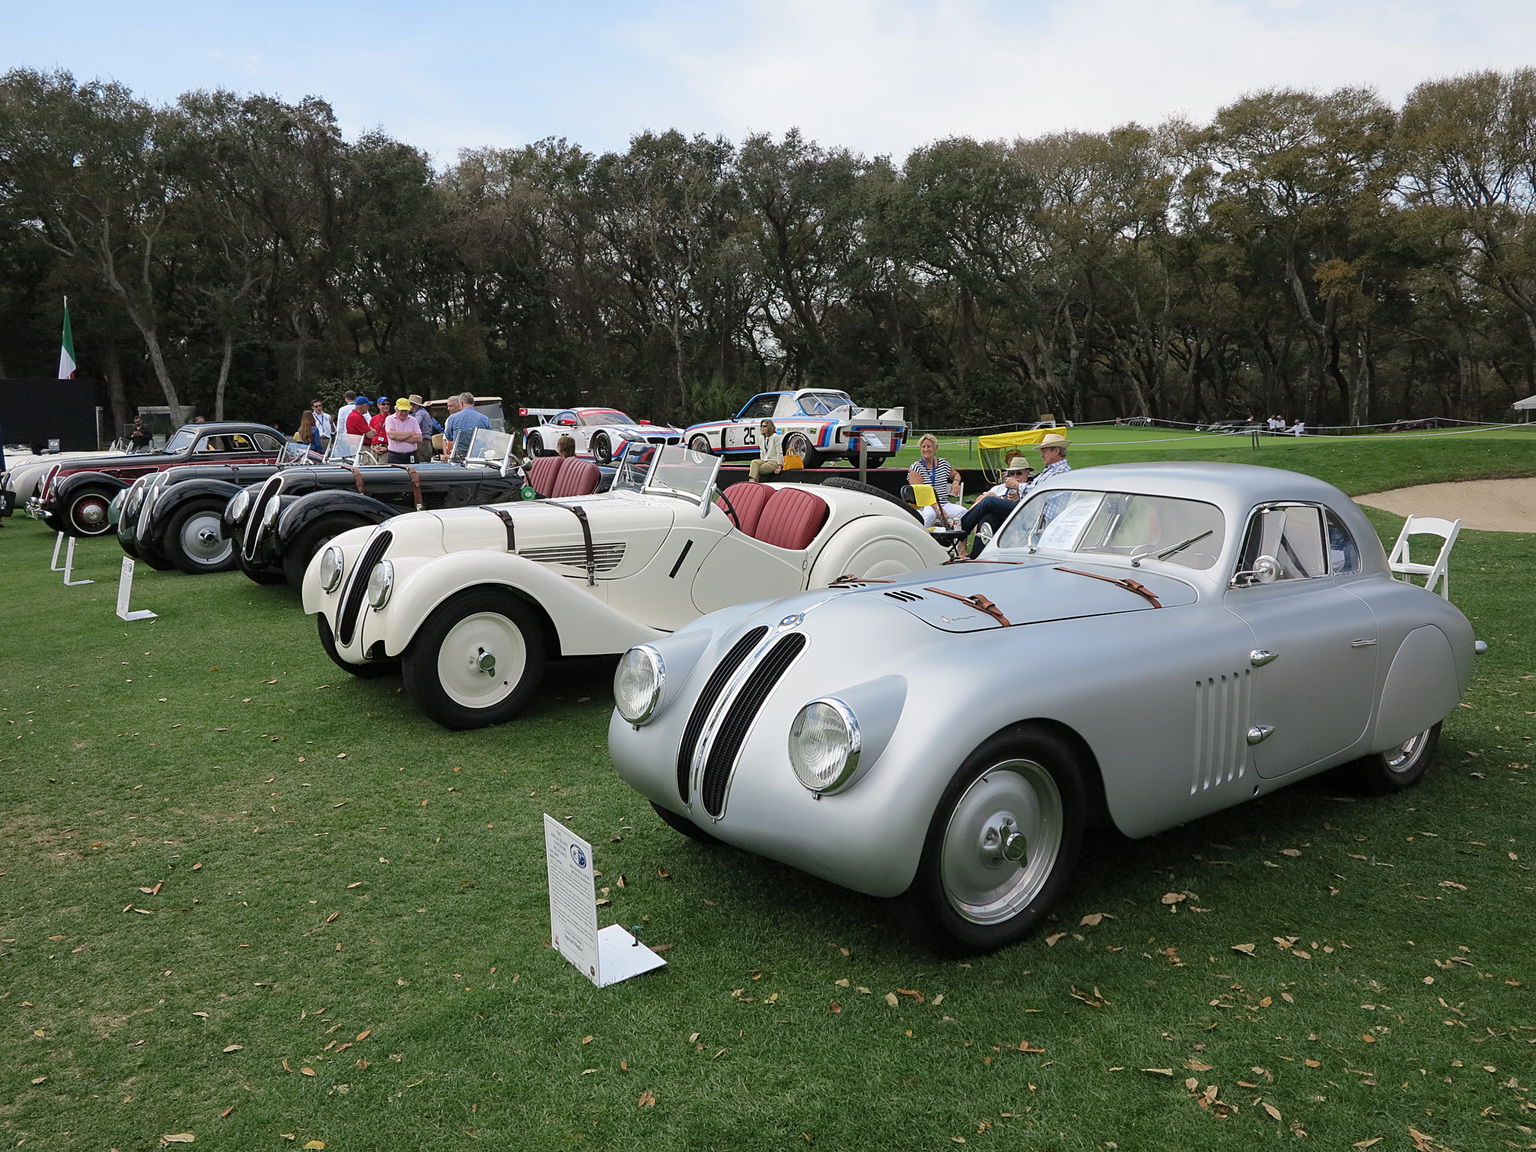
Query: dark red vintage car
(74,498)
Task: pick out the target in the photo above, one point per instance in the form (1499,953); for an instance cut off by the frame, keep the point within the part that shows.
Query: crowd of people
(403,429)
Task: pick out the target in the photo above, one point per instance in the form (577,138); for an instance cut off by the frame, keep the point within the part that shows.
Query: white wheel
(481,660)
(476,659)
(200,544)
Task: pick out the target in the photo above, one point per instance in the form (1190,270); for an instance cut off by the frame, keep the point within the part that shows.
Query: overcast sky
(874,75)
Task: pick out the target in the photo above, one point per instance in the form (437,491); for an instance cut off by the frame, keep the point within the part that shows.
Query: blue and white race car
(600,433)
(816,423)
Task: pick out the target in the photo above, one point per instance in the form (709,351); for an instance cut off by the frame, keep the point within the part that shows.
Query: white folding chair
(1402,564)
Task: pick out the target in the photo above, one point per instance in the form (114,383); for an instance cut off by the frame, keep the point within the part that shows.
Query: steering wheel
(730,509)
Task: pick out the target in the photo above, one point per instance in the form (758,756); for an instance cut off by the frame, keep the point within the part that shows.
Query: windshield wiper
(1036,532)
(1136,563)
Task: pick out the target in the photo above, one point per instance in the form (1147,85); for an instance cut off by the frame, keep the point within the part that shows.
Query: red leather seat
(791,518)
(578,477)
(749,500)
(543,473)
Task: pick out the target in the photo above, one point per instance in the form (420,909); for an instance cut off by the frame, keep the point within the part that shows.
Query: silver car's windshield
(182,440)
(679,471)
(344,448)
(487,448)
(1184,532)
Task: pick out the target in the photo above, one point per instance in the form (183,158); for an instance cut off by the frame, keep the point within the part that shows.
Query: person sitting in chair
(772,459)
(565,446)
(933,470)
(986,516)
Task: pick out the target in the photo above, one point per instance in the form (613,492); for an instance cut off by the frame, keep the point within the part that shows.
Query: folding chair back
(1437,573)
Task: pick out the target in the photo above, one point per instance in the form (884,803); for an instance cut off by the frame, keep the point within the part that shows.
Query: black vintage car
(75,496)
(279,525)
(174,518)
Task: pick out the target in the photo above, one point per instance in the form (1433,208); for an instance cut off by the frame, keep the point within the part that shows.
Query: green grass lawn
(245,896)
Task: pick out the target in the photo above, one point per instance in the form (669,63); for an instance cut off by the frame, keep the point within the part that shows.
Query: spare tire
(871,490)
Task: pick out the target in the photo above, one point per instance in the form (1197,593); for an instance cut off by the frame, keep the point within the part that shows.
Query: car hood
(627,529)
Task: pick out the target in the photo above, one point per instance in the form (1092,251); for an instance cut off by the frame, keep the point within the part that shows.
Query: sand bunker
(1492,505)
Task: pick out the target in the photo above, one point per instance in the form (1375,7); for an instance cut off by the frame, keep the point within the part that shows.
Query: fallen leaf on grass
(647,1099)
(663,873)
(184,1138)
(38,1079)
(1196,1066)
(1159,1071)
(890,998)
(314,1145)
(586,1039)
(1093,919)
(1097,1000)
(234,1048)
(1366,1143)
(224,1115)
(365,1033)
(1288,852)
(1274,1113)
(835,1008)
(1024,1047)
(912,992)
(1245,949)
(1174,898)
(306,1071)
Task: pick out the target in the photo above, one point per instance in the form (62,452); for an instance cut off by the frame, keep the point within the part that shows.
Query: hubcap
(203,541)
(1403,757)
(481,660)
(91,513)
(1002,842)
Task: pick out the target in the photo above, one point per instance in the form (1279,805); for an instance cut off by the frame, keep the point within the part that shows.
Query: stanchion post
(54,565)
(863,460)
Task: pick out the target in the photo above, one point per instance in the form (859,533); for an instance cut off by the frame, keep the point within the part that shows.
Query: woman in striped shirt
(931,469)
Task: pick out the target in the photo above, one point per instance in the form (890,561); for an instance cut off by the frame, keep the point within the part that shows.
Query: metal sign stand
(54,565)
(69,567)
(125,594)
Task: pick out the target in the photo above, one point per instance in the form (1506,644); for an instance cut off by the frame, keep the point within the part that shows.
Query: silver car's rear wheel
(1002,843)
(1397,768)
(476,659)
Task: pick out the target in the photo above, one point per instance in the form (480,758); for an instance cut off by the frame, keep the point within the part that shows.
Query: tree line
(1322,255)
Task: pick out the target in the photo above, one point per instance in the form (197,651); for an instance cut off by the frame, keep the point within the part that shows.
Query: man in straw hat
(986,516)
(1053,454)
(427,424)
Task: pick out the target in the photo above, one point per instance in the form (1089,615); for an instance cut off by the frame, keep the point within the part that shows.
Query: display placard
(604,957)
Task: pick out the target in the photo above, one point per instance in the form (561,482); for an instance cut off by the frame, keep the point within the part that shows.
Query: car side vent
(738,718)
(252,528)
(904,596)
(605,557)
(1221,726)
(705,704)
(352,598)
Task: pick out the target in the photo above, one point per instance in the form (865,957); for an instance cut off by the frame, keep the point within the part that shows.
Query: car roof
(1236,484)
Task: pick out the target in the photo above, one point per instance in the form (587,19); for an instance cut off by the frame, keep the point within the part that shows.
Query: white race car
(600,433)
(468,603)
(816,423)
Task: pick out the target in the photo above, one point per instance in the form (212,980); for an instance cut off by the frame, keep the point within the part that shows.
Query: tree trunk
(218,394)
(116,396)
(1365,379)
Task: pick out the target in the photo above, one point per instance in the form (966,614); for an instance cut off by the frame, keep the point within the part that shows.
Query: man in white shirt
(349,402)
(323,424)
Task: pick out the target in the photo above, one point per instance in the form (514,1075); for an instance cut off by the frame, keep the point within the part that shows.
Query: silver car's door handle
(1363,642)
(1260,657)
(1260,733)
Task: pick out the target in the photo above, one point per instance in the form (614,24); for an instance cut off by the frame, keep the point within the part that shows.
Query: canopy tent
(1526,405)
(994,448)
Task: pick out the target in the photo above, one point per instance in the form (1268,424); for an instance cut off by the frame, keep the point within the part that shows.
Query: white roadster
(470,603)
(1142,645)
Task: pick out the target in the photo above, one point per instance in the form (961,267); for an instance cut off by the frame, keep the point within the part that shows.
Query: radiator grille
(1221,726)
(706,702)
(250,537)
(738,718)
(606,557)
(357,587)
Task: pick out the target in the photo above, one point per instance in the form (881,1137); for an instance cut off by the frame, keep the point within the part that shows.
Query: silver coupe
(1142,645)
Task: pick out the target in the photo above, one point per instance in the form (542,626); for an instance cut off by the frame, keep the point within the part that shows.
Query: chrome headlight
(270,513)
(240,505)
(824,744)
(381,581)
(331,565)
(637,683)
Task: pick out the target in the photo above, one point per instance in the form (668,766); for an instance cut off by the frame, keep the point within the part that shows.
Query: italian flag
(67,348)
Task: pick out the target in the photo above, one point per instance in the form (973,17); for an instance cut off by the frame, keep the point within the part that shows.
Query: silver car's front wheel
(1002,843)
(476,660)
(1399,767)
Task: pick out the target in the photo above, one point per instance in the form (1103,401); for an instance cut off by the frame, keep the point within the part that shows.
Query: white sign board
(604,957)
(125,594)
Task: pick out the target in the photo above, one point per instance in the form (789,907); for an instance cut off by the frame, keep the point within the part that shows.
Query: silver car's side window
(1343,552)
(1284,542)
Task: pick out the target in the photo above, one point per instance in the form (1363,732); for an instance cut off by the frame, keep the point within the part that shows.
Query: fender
(174,496)
(885,545)
(66,489)
(231,528)
(316,506)
(584,623)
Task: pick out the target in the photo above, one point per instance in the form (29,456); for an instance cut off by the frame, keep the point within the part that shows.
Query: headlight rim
(330,585)
(269,515)
(240,505)
(378,595)
(659,673)
(855,746)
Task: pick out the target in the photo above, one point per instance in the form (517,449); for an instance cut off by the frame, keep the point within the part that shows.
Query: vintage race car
(280,525)
(74,498)
(600,433)
(173,519)
(1142,645)
(817,424)
(469,604)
